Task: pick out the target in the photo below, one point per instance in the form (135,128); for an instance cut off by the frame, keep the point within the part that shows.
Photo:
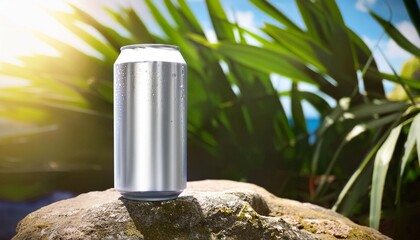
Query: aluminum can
(150,122)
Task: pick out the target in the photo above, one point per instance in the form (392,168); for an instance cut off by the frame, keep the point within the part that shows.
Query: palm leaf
(414,13)
(269,60)
(272,11)
(413,139)
(382,159)
(298,43)
(222,27)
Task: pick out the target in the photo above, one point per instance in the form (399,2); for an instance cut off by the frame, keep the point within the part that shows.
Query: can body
(150,119)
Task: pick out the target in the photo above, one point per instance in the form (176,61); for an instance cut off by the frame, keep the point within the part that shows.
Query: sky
(19,19)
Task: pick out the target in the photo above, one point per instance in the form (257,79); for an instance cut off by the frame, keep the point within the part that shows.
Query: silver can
(150,119)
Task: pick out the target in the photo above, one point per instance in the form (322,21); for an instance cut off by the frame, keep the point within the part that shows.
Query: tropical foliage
(60,126)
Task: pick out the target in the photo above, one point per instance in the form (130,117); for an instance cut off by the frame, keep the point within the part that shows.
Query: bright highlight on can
(150,122)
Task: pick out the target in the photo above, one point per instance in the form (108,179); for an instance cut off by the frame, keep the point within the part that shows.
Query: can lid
(133,46)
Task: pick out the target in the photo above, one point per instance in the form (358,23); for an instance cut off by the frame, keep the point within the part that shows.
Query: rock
(211,209)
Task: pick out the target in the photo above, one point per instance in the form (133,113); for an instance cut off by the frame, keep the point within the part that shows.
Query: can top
(150,53)
(133,46)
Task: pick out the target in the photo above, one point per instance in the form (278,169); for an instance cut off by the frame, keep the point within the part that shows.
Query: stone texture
(211,209)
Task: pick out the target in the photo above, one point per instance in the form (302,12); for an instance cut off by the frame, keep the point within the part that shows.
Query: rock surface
(211,209)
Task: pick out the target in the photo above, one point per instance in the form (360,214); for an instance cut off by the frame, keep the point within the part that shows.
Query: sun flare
(22,20)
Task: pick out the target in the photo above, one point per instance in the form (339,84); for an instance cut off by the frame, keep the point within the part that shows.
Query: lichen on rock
(211,209)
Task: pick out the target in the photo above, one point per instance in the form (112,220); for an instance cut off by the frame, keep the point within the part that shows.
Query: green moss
(227,211)
(100,232)
(133,232)
(356,233)
(42,225)
(309,228)
(130,232)
(247,213)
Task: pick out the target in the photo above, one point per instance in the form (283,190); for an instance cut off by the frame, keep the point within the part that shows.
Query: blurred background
(316,101)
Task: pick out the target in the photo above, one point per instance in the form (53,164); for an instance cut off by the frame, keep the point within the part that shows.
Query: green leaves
(221,24)
(413,139)
(299,44)
(269,60)
(382,159)
(272,11)
(412,8)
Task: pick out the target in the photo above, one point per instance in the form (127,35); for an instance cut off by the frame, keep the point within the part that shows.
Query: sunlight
(17,23)
(22,20)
